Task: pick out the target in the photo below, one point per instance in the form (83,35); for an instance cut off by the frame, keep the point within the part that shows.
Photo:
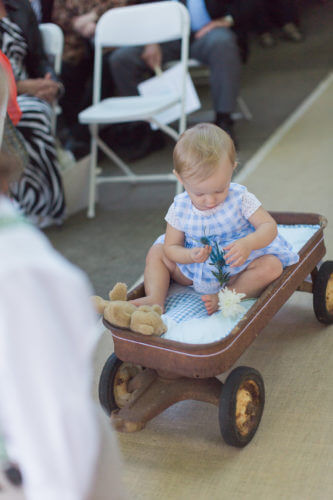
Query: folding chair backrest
(141,24)
(53,43)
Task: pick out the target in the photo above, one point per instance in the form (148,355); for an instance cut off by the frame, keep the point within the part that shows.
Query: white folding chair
(53,44)
(134,25)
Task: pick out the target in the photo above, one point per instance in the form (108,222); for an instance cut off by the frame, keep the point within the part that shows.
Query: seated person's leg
(128,69)
(257,276)
(219,50)
(39,191)
(158,271)
(75,77)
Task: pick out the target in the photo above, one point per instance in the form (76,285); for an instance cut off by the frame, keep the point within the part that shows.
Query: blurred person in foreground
(48,421)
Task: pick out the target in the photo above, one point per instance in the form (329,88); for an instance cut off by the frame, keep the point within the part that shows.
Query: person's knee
(272,268)
(155,253)
(222,39)
(123,57)
(116,60)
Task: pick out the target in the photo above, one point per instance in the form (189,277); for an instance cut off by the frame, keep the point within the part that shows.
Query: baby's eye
(198,195)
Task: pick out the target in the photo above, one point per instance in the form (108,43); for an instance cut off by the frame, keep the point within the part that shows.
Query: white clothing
(47,335)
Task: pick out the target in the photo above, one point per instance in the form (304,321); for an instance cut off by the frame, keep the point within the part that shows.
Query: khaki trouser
(106,483)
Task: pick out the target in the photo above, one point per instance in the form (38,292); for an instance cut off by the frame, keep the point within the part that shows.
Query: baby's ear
(178,176)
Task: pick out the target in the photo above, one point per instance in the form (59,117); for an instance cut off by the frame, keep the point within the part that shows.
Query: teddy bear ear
(118,292)
(157,308)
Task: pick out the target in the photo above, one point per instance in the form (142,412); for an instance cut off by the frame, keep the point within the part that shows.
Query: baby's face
(211,192)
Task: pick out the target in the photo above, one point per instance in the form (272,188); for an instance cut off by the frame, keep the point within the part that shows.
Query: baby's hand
(200,254)
(237,252)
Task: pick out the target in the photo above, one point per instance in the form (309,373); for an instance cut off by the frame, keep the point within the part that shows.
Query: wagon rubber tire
(323,293)
(106,384)
(241,406)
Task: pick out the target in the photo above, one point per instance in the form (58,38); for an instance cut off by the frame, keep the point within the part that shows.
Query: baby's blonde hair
(200,149)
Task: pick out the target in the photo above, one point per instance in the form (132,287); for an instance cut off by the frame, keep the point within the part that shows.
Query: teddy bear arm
(99,304)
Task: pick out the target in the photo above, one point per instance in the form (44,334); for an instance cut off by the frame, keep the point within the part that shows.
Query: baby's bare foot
(211,302)
(148,300)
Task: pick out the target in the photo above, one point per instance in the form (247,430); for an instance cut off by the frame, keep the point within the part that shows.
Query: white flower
(229,302)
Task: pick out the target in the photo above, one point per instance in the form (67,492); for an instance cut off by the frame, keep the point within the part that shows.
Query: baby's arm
(265,232)
(175,251)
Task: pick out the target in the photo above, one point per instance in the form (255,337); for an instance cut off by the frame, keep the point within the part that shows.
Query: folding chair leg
(92,173)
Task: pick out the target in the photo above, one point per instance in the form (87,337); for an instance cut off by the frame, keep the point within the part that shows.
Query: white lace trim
(172,218)
(250,204)
(209,211)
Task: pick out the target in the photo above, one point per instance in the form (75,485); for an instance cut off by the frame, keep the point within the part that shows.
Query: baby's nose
(210,201)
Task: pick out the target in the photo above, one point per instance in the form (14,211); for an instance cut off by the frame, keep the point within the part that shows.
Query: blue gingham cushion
(184,306)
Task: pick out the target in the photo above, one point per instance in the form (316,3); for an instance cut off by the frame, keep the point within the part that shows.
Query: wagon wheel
(113,383)
(323,293)
(241,405)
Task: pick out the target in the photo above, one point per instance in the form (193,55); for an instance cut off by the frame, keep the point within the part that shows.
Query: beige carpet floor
(180,455)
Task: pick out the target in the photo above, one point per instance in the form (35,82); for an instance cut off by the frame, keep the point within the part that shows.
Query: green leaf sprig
(217,260)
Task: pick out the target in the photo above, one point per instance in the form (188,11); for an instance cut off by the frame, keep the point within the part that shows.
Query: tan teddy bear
(147,320)
(140,319)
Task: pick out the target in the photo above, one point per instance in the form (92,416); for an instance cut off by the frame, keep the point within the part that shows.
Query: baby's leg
(257,276)
(157,275)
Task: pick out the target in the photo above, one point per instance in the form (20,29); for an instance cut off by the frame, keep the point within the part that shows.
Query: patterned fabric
(250,204)
(75,47)
(39,191)
(184,306)
(222,225)
(14,46)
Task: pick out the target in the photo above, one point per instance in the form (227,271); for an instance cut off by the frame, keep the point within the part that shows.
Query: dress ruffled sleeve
(250,204)
(173,219)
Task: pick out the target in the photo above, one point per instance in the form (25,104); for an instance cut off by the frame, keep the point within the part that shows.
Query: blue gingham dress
(222,224)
